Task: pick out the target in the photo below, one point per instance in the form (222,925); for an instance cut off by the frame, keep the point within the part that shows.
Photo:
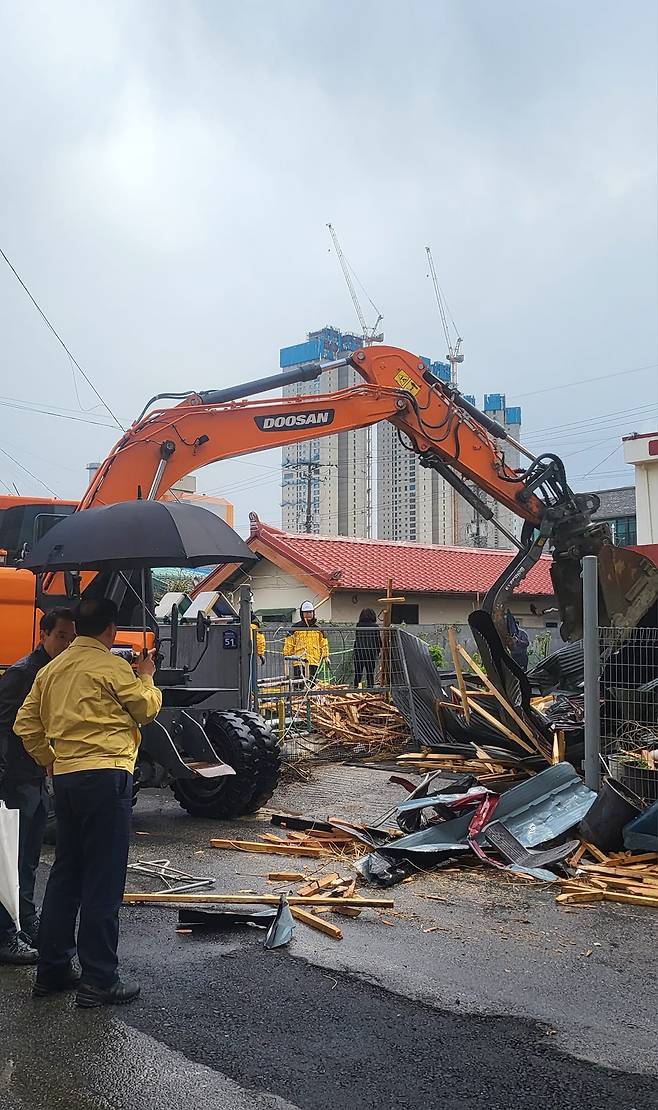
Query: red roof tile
(354,564)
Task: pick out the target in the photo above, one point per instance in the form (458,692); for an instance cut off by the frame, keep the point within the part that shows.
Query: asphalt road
(499,1006)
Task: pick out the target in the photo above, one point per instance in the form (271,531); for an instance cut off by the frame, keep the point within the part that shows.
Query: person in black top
(367,646)
(23,784)
(518,641)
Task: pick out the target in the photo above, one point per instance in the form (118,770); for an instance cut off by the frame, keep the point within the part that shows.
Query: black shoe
(13,950)
(30,932)
(66,981)
(119,994)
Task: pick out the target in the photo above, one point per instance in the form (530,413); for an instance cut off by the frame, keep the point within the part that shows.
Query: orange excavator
(433,419)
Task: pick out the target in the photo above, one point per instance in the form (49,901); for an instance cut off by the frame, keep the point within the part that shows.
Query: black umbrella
(137,534)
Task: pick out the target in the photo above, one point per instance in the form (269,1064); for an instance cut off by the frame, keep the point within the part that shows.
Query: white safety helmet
(307,607)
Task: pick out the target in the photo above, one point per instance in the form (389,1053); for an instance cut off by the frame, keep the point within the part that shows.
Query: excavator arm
(435,421)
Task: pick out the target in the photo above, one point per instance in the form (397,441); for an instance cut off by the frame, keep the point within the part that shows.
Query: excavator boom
(451,436)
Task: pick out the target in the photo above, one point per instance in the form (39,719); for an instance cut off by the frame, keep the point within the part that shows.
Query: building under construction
(364,482)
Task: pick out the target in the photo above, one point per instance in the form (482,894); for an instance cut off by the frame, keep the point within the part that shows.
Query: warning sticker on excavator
(405,382)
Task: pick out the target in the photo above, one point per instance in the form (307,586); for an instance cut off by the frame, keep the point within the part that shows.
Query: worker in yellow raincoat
(258,639)
(306,641)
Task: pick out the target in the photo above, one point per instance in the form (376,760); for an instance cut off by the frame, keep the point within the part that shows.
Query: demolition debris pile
(363,719)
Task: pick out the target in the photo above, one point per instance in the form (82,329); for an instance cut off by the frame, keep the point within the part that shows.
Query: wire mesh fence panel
(629,710)
(332,693)
(357,688)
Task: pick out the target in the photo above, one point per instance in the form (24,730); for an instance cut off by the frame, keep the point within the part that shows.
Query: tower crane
(368,334)
(454,355)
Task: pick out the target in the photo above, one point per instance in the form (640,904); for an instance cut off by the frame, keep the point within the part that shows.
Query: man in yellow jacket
(307,641)
(82,717)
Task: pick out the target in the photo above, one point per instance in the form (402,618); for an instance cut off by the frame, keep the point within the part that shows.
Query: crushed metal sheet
(535,811)
(410,812)
(280,932)
(220,921)
(500,837)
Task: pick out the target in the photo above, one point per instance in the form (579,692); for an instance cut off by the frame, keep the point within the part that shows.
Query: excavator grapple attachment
(628,589)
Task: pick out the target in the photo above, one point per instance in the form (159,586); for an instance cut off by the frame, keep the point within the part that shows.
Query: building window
(624,530)
(404,614)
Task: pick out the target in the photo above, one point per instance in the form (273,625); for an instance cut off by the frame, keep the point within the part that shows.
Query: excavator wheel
(230,795)
(269,765)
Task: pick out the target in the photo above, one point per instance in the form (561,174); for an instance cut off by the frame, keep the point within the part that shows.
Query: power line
(583,381)
(38,411)
(613,452)
(620,415)
(29,472)
(61,342)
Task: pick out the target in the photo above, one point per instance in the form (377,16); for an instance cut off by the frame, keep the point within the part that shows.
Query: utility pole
(592,668)
(308,523)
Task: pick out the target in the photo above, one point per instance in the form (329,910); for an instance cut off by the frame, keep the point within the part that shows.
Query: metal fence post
(592,666)
(245,647)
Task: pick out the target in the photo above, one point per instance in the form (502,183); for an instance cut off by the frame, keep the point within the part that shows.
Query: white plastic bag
(9,861)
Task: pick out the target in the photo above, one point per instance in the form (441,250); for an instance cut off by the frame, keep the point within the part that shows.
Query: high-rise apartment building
(472,530)
(326,482)
(416,504)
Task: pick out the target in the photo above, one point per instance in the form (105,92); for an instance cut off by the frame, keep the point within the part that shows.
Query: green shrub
(438,656)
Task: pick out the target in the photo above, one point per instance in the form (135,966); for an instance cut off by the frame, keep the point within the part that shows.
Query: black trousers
(93,811)
(31,801)
(364,661)
(301,672)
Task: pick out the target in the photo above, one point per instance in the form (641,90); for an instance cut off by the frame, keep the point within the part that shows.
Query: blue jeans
(93,810)
(31,801)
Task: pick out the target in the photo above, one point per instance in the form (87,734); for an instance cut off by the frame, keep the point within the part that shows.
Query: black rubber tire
(269,764)
(228,796)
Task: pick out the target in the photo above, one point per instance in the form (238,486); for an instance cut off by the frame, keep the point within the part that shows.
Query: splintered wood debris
(360,718)
(483,766)
(618,877)
(317,895)
(336,844)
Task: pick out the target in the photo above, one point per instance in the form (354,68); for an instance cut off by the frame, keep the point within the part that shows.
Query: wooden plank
(308,889)
(641,857)
(330,880)
(580,896)
(559,745)
(621,873)
(495,723)
(631,899)
(575,859)
(256,900)
(318,923)
(282,848)
(596,853)
(286,876)
(456,661)
(509,709)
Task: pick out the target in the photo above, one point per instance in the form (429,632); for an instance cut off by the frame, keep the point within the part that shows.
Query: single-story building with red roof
(342,576)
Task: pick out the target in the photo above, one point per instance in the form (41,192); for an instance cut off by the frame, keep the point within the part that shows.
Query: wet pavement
(508,1002)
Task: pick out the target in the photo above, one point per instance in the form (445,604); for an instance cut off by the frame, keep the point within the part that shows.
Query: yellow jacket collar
(89,642)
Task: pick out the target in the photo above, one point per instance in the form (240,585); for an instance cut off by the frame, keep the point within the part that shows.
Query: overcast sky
(168,170)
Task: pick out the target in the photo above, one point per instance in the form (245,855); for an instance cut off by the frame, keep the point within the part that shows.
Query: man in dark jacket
(23,784)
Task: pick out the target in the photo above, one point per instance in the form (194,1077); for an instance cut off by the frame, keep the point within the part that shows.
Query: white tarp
(9,861)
